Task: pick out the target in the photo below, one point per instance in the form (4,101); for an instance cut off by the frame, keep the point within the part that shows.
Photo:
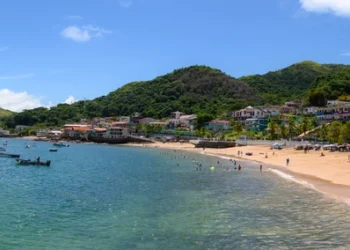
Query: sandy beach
(329,174)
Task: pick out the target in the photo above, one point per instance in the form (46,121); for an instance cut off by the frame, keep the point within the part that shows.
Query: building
(248,113)
(121,124)
(146,120)
(75,130)
(19,128)
(256,124)
(4,132)
(42,132)
(295,104)
(217,125)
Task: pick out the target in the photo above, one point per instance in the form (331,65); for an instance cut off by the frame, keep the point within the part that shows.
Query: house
(146,120)
(121,124)
(180,119)
(248,112)
(295,103)
(217,125)
(75,130)
(124,119)
(4,132)
(19,128)
(42,132)
(188,120)
(54,133)
(256,124)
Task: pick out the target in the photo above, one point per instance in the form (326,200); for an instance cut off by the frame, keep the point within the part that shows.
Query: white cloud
(73,17)
(17,77)
(125,3)
(85,33)
(345,54)
(76,34)
(18,101)
(337,7)
(2,49)
(70,100)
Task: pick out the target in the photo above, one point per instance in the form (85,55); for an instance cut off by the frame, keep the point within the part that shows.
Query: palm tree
(272,127)
(291,127)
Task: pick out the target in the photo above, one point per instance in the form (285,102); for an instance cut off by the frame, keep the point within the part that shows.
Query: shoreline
(336,188)
(329,179)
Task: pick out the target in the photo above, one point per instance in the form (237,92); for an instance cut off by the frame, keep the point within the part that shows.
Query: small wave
(292,178)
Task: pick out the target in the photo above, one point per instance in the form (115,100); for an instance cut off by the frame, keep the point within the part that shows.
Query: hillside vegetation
(202,90)
(5,113)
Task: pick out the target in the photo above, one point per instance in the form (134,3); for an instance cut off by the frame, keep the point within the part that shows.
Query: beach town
(308,153)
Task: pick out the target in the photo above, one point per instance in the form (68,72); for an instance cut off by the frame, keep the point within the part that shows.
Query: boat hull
(9,155)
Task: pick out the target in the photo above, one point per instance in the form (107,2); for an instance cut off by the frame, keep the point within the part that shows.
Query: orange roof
(100,129)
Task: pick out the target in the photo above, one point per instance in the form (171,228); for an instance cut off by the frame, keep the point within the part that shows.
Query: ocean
(115,197)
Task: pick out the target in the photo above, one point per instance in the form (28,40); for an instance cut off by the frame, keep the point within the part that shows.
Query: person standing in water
(260,167)
(239,167)
(287,162)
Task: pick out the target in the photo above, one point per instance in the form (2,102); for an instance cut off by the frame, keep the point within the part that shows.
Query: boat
(53,150)
(33,163)
(8,155)
(61,144)
(2,149)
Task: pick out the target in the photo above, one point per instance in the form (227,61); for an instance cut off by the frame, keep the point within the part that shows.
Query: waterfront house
(19,128)
(42,132)
(4,132)
(121,124)
(217,125)
(74,131)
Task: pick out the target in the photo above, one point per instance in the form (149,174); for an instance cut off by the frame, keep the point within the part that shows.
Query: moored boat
(8,155)
(61,144)
(33,163)
(53,150)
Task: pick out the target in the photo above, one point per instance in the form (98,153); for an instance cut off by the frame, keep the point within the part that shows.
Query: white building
(248,112)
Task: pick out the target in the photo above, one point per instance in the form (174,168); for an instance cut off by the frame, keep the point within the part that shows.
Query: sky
(62,51)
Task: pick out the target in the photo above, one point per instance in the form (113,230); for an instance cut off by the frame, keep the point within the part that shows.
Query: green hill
(5,113)
(201,90)
(288,83)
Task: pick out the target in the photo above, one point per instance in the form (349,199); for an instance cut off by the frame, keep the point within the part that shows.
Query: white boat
(61,144)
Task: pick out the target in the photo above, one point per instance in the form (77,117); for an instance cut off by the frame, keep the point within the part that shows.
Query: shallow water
(105,197)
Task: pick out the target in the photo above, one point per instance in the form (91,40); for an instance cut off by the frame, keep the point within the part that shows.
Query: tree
(305,124)
(345,133)
(318,98)
(272,127)
(334,131)
(291,127)
(323,132)
(238,127)
(284,131)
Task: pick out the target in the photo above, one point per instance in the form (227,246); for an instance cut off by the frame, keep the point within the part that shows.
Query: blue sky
(52,50)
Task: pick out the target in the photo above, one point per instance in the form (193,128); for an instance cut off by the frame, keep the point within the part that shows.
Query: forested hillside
(201,90)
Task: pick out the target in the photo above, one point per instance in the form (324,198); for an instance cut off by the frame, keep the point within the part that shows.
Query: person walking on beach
(239,167)
(287,161)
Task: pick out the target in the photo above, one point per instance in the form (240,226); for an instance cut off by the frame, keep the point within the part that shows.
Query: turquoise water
(104,197)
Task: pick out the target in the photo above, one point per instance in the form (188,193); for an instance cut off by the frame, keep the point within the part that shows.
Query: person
(322,154)
(234,163)
(38,159)
(239,167)
(287,161)
(260,167)
(266,155)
